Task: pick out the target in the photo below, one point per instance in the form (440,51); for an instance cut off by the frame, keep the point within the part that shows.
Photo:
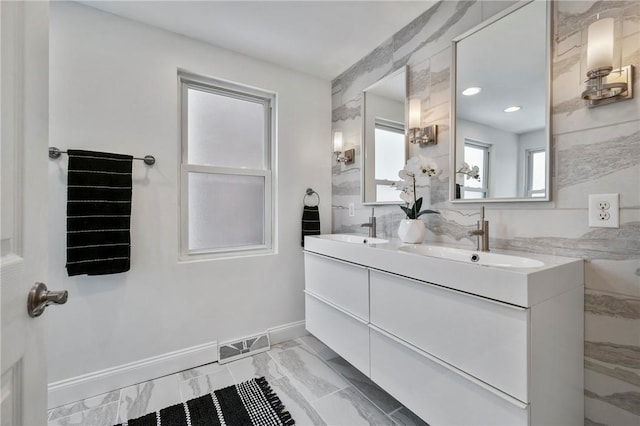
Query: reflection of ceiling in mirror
(392,87)
(507,59)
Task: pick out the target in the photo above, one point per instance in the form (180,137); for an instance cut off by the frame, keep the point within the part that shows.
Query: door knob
(40,298)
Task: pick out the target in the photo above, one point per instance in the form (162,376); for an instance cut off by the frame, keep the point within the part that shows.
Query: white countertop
(518,286)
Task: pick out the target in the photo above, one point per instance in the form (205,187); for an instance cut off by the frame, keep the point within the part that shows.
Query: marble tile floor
(316,385)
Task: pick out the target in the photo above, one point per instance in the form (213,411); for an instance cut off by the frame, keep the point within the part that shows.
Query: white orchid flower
(405,175)
(406,196)
(470,172)
(417,172)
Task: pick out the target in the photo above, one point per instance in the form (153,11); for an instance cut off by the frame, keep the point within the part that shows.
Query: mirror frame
(363,142)
(548,130)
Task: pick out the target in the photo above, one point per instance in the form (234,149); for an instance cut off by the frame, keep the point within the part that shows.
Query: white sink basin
(477,257)
(353,239)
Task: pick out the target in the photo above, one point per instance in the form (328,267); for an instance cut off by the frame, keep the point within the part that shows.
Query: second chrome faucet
(371,225)
(482,232)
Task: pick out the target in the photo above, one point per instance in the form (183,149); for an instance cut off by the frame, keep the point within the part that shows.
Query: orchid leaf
(417,205)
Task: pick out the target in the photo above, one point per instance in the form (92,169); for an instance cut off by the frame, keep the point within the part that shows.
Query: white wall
(114,88)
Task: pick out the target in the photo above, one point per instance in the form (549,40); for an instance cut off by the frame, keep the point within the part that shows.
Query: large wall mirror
(384,141)
(500,108)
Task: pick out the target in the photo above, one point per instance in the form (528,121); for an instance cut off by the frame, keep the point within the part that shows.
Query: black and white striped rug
(248,403)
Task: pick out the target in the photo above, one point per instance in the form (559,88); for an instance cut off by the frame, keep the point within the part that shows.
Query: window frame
(187,81)
(530,153)
(486,153)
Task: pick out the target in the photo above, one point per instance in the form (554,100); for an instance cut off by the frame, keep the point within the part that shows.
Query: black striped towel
(310,221)
(98,213)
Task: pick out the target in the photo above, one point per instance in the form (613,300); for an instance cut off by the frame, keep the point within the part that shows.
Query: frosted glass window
(226,204)
(225,131)
(389,159)
(225,211)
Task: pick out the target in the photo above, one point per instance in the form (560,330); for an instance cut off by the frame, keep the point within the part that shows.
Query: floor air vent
(236,349)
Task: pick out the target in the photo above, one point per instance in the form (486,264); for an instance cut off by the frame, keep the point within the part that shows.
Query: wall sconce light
(349,154)
(420,135)
(604,84)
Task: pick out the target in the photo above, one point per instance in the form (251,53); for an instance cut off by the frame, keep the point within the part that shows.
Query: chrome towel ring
(310,192)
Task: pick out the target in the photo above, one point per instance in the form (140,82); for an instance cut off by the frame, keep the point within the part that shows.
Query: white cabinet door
(343,284)
(24,90)
(435,392)
(346,334)
(488,340)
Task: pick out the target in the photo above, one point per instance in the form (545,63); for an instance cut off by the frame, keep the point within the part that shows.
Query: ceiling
(321,38)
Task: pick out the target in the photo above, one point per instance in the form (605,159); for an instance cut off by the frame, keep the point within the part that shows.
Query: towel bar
(149,160)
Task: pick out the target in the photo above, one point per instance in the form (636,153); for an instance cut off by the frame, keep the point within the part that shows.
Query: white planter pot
(411,231)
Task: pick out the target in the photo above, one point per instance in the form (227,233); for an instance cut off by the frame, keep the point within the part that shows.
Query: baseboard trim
(98,382)
(286,332)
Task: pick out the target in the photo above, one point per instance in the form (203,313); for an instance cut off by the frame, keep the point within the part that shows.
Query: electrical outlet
(352,209)
(604,211)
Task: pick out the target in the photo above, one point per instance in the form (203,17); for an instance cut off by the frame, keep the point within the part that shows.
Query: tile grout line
(235,381)
(311,403)
(119,401)
(353,385)
(349,382)
(180,387)
(395,411)
(317,355)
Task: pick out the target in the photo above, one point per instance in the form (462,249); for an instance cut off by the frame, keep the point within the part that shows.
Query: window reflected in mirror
(390,157)
(536,161)
(476,154)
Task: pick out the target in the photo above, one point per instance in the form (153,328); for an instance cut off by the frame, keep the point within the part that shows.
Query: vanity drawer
(437,393)
(346,334)
(343,284)
(484,338)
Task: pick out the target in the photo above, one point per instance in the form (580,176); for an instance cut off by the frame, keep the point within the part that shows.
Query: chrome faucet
(371,225)
(482,232)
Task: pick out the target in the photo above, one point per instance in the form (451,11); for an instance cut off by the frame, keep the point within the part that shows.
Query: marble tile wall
(594,151)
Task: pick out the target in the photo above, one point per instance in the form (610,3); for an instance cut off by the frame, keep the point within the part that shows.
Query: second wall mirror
(500,108)
(384,140)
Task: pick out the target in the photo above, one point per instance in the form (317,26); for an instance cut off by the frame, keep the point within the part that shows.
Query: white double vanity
(493,340)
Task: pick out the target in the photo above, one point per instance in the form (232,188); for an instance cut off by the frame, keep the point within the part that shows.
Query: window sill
(225,255)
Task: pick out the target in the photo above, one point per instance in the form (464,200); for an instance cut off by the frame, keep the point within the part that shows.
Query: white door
(24,91)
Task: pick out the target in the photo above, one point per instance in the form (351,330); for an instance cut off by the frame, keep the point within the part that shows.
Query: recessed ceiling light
(471,91)
(512,109)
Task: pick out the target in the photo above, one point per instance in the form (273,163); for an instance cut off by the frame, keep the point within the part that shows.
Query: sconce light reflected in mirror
(420,135)
(349,154)
(604,84)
